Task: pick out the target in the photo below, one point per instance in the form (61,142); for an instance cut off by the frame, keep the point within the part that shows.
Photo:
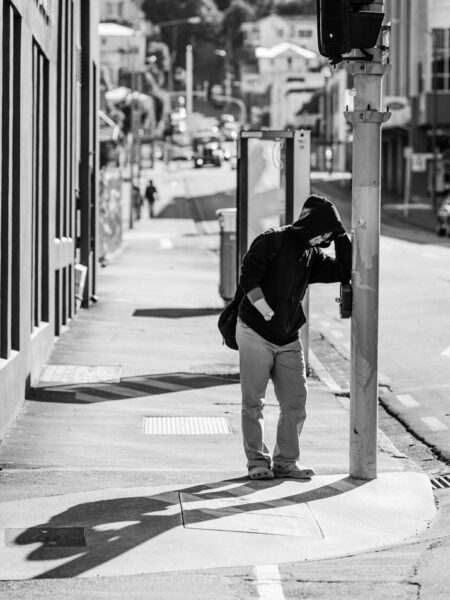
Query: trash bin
(227,223)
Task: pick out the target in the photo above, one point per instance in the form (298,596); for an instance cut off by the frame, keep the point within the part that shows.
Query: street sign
(419,161)
(253,83)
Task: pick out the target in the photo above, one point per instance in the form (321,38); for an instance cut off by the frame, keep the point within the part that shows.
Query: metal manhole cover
(186,426)
(440,481)
(258,512)
(71,374)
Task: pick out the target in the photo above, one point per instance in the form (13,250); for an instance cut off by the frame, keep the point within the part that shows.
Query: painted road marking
(446,352)
(268,582)
(434,423)
(407,400)
(166,243)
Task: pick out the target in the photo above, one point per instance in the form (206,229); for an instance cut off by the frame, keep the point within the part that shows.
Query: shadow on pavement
(94,533)
(128,387)
(176,313)
(199,208)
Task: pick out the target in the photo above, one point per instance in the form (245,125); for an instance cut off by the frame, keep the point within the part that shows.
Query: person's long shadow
(112,527)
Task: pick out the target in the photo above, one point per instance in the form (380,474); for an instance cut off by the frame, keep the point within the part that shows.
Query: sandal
(294,472)
(260,473)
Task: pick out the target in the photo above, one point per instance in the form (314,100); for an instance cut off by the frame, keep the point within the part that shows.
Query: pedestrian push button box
(345,300)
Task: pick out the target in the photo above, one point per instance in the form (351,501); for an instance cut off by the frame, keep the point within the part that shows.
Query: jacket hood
(318,216)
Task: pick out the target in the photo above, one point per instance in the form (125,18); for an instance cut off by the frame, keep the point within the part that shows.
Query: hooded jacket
(280,264)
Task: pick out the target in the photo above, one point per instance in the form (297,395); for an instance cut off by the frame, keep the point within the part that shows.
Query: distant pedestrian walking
(151,193)
(137,202)
(275,273)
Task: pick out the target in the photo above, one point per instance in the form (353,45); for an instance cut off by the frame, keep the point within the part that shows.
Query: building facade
(416,141)
(288,66)
(123,32)
(275,29)
(49,57)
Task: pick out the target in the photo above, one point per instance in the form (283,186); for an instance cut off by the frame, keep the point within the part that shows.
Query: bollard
(227,224)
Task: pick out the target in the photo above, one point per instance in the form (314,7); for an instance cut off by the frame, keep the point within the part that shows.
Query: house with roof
(287,66)
(293,75)
(276,29)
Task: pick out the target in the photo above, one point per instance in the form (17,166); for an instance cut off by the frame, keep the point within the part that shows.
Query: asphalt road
(414,325)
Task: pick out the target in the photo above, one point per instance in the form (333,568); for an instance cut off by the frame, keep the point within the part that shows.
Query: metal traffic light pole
(366,119)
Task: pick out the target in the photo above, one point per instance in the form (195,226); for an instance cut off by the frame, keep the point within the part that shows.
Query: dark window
(10,184)
(440,67)
(40,190)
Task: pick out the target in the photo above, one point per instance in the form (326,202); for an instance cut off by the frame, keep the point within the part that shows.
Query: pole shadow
(176,313)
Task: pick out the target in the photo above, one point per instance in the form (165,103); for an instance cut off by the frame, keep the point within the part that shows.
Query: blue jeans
(259,361)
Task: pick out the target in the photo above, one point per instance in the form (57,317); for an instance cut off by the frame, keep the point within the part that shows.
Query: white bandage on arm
(264,308)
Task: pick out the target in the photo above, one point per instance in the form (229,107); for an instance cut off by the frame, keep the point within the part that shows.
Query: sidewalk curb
(412,425)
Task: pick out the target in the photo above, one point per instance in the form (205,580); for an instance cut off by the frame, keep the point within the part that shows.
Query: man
(137,202)
(275,274)
(150,194)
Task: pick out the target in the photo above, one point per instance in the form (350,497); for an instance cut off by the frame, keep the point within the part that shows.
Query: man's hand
(264,309)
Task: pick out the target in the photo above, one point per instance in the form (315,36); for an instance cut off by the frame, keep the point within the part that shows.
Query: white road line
(322,373)
(268,582)
(446,352)
(337,333)
(407,400)
(166,243)
(434,423)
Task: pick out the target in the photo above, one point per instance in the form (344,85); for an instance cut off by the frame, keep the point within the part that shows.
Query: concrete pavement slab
(146,530)
(101,427)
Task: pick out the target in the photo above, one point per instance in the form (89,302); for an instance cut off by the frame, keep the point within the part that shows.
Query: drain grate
(440,482)
(186,426)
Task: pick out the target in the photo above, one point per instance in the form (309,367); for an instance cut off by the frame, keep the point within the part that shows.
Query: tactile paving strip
(186,426)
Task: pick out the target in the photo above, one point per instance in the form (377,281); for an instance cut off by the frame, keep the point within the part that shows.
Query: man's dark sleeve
(254,263)
(326,269)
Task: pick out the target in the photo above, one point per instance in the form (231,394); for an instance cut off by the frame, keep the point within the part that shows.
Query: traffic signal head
(342,25)
(333,27)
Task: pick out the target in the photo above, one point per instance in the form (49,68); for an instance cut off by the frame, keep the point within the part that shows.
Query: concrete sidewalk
(128,457)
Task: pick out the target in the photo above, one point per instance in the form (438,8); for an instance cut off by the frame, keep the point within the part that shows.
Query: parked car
(180,147)
(177,152)
(208,150)
(443,218)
